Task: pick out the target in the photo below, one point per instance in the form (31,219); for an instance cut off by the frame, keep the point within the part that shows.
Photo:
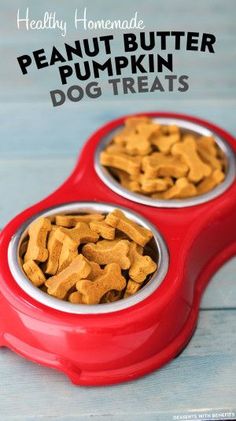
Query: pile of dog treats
(88,258)
(162,161)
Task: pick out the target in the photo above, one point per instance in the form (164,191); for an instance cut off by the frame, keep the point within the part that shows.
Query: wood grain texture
(200,379)
(37,130)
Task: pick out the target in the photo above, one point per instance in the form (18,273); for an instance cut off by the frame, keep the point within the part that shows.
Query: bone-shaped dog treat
(34,273)
(141,266)
(67,256)
(165,138)
(210,182)
(131,124)
(207,150)
(208,143)
(121,161)
(71,239)
(69,250)
(114,149)
(96,270)
(60,284)
(160,165)
(139,143)
(168,130)
(75,298)
(83,233)
(132,288)
(134,122)
(155,184)
(188,151)
(55,243)
(105,251)
(93,291)
(181,189)
(126,180)
(103,229)
(72,220)
(38,231)
(119,138)
(140,235)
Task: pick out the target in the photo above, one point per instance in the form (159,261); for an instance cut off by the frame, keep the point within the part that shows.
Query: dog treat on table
(88,258)
(163,161)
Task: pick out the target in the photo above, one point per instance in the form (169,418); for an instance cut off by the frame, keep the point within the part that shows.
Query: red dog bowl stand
(98,349)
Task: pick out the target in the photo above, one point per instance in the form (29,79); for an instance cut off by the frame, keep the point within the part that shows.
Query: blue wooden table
(38,149)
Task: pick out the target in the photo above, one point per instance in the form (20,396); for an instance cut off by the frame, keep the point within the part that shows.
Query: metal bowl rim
(115,186)
(49,301)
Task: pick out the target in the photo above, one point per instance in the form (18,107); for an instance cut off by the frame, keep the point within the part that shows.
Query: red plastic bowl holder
(98,349)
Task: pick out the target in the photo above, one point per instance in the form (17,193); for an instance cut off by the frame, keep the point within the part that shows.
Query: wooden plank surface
(37,130)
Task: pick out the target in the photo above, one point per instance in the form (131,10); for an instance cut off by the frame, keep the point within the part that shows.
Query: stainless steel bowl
(187,127)
(84,207)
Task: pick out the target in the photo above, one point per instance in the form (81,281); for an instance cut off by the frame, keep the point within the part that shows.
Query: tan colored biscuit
(34,273)
(75,298)
(141,266)
(132,288)
(66,257)
(71,239)
(160,165)
(96,270)
(60,284)
(38,232)
(166,138)
(140,235)
(165,152)
(207,150)
(170,129)
(119,138)
(103,229)
(105,252)
(93,291)
(69,250)
(129,128)
(83,233)
(188,151)
(139,143)
(113,148)
(181,189)
(208,143)
(133,122)
(72,220)
(54,247)
(121,161)
(155,184)
(126,180)
(210,182)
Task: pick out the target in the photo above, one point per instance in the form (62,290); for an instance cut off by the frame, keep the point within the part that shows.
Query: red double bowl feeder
(114,342)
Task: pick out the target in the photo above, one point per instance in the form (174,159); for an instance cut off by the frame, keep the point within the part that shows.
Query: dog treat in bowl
(163,161)
(88,258)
